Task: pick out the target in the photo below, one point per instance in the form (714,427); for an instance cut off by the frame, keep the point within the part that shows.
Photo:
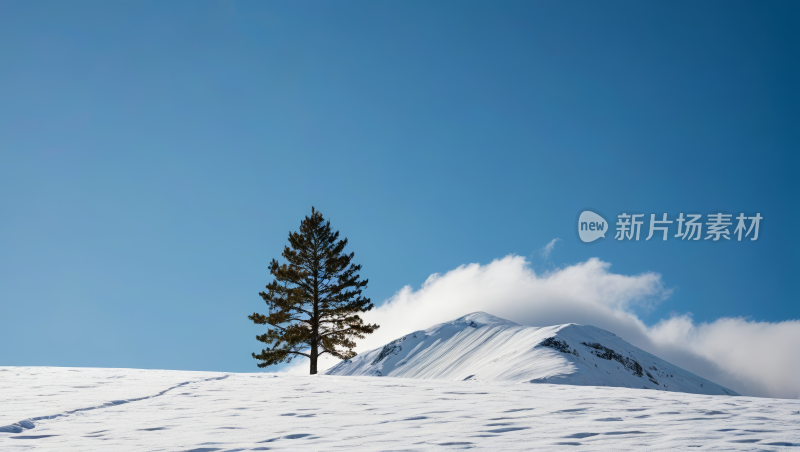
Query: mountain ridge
(480,346)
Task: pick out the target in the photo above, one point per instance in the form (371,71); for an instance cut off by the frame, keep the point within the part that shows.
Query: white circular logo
(591,226)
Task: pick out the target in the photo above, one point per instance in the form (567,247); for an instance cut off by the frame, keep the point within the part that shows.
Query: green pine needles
(314,300)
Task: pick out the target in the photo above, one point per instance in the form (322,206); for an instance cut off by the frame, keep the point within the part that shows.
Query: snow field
(207,412)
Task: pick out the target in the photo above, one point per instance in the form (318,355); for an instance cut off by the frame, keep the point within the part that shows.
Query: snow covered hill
(57,409)
(482,347)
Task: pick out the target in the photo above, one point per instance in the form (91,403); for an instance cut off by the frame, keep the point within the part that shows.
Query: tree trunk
(313,359)
(315,319)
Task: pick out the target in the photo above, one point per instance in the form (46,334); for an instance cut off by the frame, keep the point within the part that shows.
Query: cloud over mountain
(753,358)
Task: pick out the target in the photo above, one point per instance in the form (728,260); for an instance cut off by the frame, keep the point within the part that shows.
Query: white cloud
(545,252)
(752,358)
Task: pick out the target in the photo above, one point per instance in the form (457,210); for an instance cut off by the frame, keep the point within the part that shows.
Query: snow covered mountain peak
(480,346)
(480,318)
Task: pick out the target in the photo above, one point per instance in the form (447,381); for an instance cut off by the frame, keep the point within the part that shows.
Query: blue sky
(155,155)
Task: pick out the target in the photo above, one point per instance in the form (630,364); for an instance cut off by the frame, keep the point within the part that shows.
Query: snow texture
(482,347)
(56,409)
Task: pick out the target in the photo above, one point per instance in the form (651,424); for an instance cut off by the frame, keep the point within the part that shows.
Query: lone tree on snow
(314,301)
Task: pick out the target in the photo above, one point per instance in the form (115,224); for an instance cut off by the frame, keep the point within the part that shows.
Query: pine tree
(314,300)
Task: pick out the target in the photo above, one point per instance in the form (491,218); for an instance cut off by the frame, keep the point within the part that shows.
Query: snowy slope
(483,347)
(152,410)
